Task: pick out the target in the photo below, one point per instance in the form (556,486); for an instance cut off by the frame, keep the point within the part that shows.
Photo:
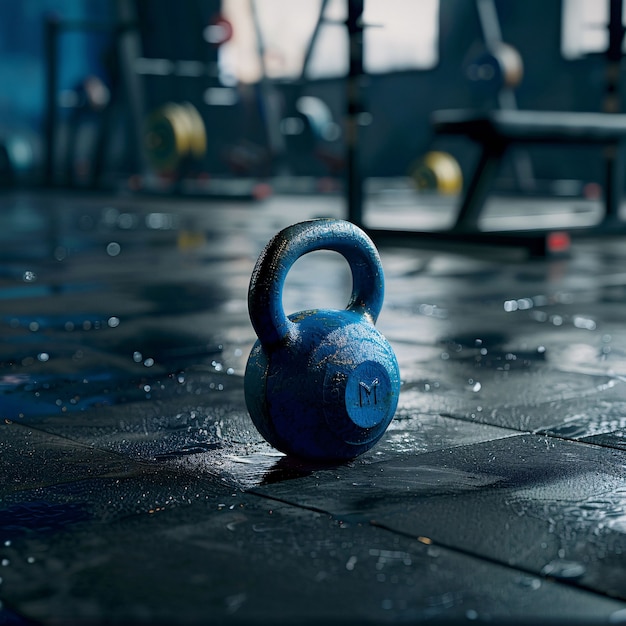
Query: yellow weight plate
(172,133)
(438,171)
(160,139)
(182,125)
(198,137)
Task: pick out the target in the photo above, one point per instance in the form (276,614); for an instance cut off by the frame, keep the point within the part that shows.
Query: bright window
(404,35)
(584,27)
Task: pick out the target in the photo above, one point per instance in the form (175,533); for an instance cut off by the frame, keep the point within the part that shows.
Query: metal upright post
(523,170)
(354,102)
(51,30)
(613,181)
(128,42)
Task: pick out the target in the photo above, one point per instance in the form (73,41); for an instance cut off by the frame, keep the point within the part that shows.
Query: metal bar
(51,30)
(614,53)
(613,181)
(492,35)
(534,243)
(478,190)
(271,108)
(316,31)
(128,49)
(489,23)
(354,107)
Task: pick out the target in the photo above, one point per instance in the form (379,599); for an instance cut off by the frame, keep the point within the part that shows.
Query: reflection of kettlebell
(320,384)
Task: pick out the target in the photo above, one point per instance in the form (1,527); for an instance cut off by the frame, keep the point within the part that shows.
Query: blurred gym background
(215,97)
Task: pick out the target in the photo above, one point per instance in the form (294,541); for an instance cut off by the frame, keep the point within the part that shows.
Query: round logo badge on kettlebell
(358,404)
(320,384)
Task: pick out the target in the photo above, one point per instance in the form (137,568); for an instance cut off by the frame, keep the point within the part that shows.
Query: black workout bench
(496,130)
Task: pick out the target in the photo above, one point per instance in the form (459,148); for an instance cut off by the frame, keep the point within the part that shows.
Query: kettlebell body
(320,384)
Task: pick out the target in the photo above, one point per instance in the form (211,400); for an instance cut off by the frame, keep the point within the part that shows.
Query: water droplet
(126,221)
(109,216)
(137,356)
(230,371)
(149,362)
(471,614)
(30,559)
(113,322)
(7,543)
(584,323)
(476,387)
(180,377)
(351,563)
(561,568)
(5,562)
(33,327)
(43,357)
(146,388)
(29,277)
(541,349)
(113,248)
(530,582)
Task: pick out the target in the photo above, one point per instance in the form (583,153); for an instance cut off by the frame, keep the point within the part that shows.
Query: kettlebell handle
(266,285)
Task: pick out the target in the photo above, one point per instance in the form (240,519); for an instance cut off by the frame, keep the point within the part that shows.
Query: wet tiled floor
(135,488)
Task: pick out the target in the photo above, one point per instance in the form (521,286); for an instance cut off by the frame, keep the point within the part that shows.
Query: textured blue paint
(320,384)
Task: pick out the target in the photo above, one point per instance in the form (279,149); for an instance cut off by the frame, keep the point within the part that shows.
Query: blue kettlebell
(321,384)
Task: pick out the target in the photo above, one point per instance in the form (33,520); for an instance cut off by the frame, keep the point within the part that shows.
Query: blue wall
(22,67)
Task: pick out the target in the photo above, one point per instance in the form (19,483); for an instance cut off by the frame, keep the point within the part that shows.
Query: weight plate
(438,171)
(174,132)
(198,137)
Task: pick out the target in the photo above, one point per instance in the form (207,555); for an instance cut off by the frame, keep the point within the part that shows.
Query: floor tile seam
(77,443)
(545,433)
(469,420)
(460,418)
(493,561)
(427,541)
(540,432)
(157,467)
